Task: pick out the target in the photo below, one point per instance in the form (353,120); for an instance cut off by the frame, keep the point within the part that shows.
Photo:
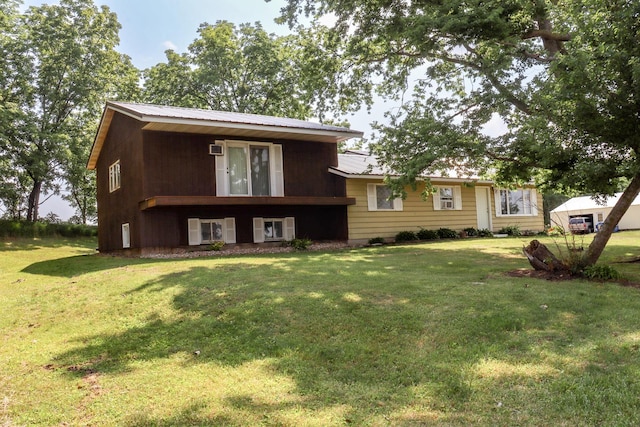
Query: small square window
(273,230)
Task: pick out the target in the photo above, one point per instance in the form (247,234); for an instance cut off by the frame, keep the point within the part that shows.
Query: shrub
(485,232)
(300,244)
(216,246)
(376,240)
(424,234)
(601,272)
(447,233)
(510,230)
(406,236)
(471,232)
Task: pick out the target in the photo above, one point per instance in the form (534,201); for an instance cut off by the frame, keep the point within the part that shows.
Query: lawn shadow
(345,334)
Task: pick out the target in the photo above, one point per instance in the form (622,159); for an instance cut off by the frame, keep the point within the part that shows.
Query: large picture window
(249,169)
(520,202)
(379,198)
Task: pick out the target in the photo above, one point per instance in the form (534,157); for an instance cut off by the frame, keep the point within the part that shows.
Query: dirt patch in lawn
(562,275)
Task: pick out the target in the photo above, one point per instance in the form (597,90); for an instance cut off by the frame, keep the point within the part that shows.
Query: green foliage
(216,246)
(471,231)
(28,229)
(511,230)
(406,236)
(447,233)
(601,272)
(424,234)
(485,233)
(300,244)
(376,241)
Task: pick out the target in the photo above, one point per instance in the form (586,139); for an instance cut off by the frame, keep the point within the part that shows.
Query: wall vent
(216,150)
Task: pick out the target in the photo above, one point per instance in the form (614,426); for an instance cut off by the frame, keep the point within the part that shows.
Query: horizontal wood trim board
(243,201)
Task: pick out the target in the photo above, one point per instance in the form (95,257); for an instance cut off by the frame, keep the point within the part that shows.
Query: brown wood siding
(167,227)
(124,143)
(306,169)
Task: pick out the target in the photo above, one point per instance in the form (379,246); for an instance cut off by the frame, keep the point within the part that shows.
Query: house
(597,211)
(172,177)
(457,203)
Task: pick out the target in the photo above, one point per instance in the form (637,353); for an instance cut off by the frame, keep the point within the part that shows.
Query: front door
(483,208)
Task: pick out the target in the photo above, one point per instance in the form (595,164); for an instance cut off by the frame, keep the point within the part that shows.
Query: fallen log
(541,258)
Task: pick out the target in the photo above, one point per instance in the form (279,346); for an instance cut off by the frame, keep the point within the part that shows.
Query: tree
(564,76)
(242,69)
(62,65)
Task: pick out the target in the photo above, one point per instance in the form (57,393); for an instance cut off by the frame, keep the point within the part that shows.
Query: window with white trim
(204,230)
(249,169)
(519,202)
(447,198)
(379,198)
(126,236)
(273,229)
(114,176)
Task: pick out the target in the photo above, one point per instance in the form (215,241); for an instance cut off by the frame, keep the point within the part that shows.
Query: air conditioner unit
(447,204)
(216,150)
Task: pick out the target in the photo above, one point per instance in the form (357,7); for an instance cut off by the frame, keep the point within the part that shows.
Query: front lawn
(422,334)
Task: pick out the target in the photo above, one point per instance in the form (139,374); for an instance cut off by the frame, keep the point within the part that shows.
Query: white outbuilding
(597,211)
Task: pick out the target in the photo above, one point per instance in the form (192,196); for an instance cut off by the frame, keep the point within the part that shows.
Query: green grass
(423,334)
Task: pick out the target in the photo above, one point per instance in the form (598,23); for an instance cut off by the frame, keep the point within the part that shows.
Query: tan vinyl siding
(418,213)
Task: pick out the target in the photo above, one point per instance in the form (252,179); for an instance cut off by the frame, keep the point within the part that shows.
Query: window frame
(529,202)
(275,168)
(372,200)
(288,229)
(194,228)
(115,178)
(455,199)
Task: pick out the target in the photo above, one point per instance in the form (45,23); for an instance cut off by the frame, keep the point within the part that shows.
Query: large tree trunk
(541,258)
(598,244)
(34,201)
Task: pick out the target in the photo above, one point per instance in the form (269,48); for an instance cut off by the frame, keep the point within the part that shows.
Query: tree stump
(541,258)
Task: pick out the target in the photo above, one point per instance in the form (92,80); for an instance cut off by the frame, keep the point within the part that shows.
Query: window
(211,230)
(126,236)
(114,176)
(273,229)
(249,169)
(379,198)
(520,202)
(447,198)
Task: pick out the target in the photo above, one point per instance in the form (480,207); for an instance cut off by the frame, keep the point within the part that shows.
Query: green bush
(300,244)
(216,246)
(424,234)
(376,240)
(471,232)
(45,229)
(601,272)
(510,230)
(485,232)
(406,236)
(447,233)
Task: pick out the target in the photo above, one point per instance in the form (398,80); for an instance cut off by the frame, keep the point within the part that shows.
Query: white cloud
(169,45)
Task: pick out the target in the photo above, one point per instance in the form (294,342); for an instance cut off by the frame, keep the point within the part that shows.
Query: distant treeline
(43,229)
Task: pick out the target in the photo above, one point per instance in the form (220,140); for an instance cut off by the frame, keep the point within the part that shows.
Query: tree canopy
(563,76)
(58,66)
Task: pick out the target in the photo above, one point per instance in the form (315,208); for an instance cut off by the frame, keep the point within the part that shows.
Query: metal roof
(587,202)
(357,164)
(191,120)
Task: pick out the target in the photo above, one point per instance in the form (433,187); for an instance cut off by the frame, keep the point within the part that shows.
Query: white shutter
(436,199)
(222,177)
(371,197)
(230,230)
(498,203)
(277,174)
(258,230)
(289,228)
(397,204)
(194,231)
(534,202)
(457,198)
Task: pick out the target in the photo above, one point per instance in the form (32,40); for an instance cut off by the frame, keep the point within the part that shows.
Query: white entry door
(483,208)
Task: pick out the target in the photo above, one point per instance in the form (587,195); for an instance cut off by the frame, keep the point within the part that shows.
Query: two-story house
(171,177)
